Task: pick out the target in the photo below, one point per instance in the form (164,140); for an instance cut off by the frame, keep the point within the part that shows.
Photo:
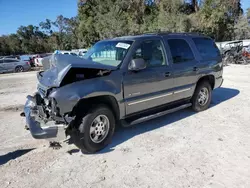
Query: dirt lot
(184,149)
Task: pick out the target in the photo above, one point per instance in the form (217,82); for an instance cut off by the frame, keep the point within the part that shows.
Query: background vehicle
(13,65)
(65,52)
(125,80)
(232,47)
(235,53)
(38,59)
(12,57)
(82,52)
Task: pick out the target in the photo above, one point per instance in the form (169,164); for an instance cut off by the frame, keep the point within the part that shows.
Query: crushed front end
(50,111)
(43,118)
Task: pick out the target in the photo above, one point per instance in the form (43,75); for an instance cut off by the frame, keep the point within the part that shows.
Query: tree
(248,15)
(242,29)
(101,19)
(32,39)
(195,5)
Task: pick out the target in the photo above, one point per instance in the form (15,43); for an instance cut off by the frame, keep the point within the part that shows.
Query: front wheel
(202,97)
(95,129)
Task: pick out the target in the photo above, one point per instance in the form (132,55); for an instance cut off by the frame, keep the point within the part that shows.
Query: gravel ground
(183,149)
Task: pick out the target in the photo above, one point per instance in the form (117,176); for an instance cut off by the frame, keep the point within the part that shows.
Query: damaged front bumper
(40,129)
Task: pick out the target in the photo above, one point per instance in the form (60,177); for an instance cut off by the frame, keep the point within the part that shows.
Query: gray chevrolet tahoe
(122,81)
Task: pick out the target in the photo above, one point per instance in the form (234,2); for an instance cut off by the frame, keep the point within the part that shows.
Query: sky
(245,4)
(14,13)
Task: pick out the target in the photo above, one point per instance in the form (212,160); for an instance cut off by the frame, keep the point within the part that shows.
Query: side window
(9,61)
(152,51)
(180,51)
(1,61)
(206,48)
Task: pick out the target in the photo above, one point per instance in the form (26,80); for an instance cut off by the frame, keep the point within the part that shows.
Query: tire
(85,140)
(19,69)
(199,103)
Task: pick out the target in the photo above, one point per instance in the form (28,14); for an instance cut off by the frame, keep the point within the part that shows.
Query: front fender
(68,96)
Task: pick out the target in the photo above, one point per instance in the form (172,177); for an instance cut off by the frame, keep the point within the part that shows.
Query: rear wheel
(96,129)
(202,96)
(19,69)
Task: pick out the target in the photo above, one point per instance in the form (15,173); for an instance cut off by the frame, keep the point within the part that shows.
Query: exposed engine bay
(78,74)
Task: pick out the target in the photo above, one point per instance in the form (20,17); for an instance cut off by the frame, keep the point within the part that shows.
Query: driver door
(150,87)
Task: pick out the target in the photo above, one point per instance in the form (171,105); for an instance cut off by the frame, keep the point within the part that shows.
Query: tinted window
(9,61)
(66,53)
(152,52)
(206,47)
(180,50)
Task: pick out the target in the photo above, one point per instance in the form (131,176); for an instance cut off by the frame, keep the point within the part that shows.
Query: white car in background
(38,59)
(65,52)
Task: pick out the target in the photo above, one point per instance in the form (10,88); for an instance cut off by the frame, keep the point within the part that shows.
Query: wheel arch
(85,104)
(209,78)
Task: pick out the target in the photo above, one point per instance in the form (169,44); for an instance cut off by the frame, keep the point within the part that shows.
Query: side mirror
(137,65)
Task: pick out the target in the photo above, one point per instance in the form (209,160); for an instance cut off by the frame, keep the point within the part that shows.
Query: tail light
(28,63)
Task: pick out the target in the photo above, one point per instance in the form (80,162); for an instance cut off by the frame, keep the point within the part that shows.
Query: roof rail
(157,33)
(192,33)
(174,33)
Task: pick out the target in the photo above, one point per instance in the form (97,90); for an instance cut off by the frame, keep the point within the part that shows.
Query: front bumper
(38,128)
(218,82)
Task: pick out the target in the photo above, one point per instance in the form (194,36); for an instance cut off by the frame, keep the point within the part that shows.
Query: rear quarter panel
(208,66)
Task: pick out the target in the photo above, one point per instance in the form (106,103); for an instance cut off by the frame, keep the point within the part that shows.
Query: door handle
(167,74)
(195,69)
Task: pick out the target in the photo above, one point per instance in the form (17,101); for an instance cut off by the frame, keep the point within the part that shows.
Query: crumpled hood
(57,66)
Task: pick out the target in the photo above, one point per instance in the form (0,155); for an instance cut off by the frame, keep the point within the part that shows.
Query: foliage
(100,19)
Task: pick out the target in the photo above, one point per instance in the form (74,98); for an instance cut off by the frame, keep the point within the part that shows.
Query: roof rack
(174,33)
(157,33)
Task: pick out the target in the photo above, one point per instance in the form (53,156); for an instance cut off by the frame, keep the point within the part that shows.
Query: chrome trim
(138,93)
(160,96)
(183,90)
(149,99)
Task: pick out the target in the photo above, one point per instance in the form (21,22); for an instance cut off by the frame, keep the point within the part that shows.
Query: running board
(153,116)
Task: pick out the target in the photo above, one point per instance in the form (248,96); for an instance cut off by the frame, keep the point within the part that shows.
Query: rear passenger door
(184,66)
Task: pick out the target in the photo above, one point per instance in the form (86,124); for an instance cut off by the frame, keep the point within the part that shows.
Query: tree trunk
(195,5)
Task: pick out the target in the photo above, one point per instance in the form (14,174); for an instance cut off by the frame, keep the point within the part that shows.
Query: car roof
(11,59)
(157,34)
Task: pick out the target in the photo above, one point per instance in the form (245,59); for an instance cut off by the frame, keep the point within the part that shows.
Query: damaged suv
(122,81)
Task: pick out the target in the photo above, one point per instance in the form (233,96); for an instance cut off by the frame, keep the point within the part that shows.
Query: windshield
(108,52)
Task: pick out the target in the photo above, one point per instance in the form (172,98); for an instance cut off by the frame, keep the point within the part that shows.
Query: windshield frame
(130,42)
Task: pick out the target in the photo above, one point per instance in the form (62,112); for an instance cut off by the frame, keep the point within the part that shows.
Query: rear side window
(206,48)
(180,51)
(9,61)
